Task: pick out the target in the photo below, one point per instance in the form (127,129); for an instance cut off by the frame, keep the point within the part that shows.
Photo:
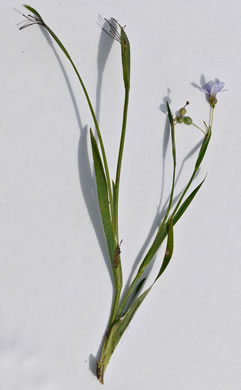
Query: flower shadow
(203,82)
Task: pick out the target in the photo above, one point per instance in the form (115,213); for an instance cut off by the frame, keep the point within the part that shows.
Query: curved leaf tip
(31,9)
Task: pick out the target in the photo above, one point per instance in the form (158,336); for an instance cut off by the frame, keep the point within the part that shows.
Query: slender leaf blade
(203,149)
(121,325)
(31,9)
(127,317)
(104,206)
(169,249)
(153,249)
(160,237)
(186,203)
(133,296)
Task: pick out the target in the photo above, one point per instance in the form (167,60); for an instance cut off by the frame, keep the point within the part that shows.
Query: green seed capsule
(187,120)
(182,111)
(179,119)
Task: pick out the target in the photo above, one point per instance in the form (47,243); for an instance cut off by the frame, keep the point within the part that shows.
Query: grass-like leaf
(105,210)
(169,249)
(160,237)
(31,9)
(203,149)
(186,203)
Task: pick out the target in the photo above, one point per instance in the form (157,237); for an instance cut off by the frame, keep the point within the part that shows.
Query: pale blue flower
(211,89)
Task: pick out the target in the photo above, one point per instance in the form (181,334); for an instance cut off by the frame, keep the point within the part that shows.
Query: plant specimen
(125,305)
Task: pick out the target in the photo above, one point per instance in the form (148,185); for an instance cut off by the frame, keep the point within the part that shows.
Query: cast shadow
(203,81)
(93,361)
(104,48)
(86,177)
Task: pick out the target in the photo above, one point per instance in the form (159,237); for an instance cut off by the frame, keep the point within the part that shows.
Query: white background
(55,287)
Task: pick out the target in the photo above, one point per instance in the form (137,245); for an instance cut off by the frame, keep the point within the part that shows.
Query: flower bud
(179,119)
(187,120)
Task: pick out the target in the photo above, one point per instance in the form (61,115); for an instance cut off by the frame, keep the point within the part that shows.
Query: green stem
(211,117)
(106,352)
(57,40)
(116,302)
(128,294)
(115,306)
(118,168)
(199,128)
(173,175)
(184,192)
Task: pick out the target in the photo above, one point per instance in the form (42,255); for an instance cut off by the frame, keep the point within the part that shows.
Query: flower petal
(219,85)
(212,87)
